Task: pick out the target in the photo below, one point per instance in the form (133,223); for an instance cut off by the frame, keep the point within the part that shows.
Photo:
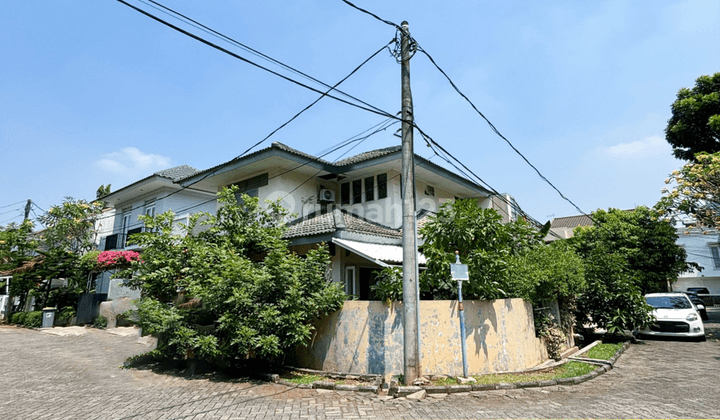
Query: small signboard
(459,272)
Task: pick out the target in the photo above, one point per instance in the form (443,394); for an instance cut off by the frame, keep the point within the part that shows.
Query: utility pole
(410,267)
(28,206)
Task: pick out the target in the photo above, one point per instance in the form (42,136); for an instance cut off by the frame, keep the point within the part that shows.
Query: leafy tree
(237,275)
(646,242)
(71,225)
(547,272)
(484,244)
(102,191)
(18,249)
(695,123)
(612,300)
(626,255)
(696,193)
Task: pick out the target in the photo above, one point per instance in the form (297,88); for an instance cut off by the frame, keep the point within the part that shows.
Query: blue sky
(92,92)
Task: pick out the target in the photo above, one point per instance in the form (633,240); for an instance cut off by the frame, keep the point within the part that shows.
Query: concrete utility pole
(410,267)
(28,206)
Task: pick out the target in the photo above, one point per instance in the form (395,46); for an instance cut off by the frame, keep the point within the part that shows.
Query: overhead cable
(364,106)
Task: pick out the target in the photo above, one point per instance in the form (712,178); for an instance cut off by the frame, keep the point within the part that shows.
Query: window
(111,242)
(125,225)
(430,190)
(715,249)
(345,193)
(370,188)
(357,191)
(250,186)
(150,208)
(351,288)
(382,186)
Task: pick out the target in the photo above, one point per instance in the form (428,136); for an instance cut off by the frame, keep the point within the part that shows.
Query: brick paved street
(44,376)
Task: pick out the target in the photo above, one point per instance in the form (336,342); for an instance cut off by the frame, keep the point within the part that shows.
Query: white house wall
(696,243)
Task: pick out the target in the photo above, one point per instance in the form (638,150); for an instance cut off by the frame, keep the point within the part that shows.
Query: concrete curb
(402,391)
(397,391)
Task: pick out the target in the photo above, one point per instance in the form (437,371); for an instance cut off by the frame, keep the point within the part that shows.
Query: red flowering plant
(108,260)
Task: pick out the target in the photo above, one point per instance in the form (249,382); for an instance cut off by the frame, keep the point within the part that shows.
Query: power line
(11,211)
(387,22)
(13,204)
(357,142)
(492,126)
(12,218)
(365,106)
(34,204)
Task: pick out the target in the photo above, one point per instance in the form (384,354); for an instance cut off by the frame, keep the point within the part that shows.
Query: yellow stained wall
(367,337)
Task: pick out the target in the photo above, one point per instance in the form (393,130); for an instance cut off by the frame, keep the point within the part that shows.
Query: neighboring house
(152,195)
(702,246)
(563,227)
(354,205)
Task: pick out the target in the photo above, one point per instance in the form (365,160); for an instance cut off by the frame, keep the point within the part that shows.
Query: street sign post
(460,273)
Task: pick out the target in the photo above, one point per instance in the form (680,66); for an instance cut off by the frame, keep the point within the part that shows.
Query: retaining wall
(366,337)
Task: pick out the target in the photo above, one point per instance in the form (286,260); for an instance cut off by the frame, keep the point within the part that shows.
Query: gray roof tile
(372,154)
(177,173)
(571,221)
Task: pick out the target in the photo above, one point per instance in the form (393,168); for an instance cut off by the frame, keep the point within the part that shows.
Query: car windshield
(668,302)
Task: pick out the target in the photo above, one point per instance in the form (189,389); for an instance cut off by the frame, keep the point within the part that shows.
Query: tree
(547,272)
(696,193)
(483,242)
(695,123)
(18,249)
(102,191)
(626,255)
(644,241)
(71,225)
(237,276)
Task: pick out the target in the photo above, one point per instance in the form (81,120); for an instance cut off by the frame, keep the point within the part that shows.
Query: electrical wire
(365,106)
(497,132)
(13,204)
(357,143)
(11,211)
(387,22)
(33,203)
(492,126)
(12,218)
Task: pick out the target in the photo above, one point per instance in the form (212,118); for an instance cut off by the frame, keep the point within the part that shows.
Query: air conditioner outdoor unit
(327,196)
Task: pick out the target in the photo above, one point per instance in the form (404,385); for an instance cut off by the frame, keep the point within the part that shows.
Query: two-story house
(354,205)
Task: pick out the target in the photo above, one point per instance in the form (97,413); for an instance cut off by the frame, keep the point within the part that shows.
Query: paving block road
(74,373)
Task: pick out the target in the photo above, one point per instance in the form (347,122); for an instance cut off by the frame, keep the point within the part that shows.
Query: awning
(383,255)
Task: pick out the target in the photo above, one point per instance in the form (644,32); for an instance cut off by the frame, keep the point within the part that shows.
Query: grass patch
(302,378)
(445,381)
(604,351)
(568,370)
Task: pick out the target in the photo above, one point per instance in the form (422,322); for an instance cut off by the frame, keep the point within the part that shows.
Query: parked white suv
(675,316)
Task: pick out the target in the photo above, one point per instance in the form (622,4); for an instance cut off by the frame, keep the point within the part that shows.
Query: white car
(675,316)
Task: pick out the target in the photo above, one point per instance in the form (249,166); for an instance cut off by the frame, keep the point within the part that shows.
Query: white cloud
(649,146)
(133,161)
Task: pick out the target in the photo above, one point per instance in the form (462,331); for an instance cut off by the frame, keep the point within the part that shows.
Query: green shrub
(67,313)
(33,319)
(18,318)
(100,322)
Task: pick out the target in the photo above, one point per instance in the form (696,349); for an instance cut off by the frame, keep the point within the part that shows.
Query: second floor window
(715,250)
(250,186)
(382,186)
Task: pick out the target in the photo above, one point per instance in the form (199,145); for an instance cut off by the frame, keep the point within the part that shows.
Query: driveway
(43,375)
